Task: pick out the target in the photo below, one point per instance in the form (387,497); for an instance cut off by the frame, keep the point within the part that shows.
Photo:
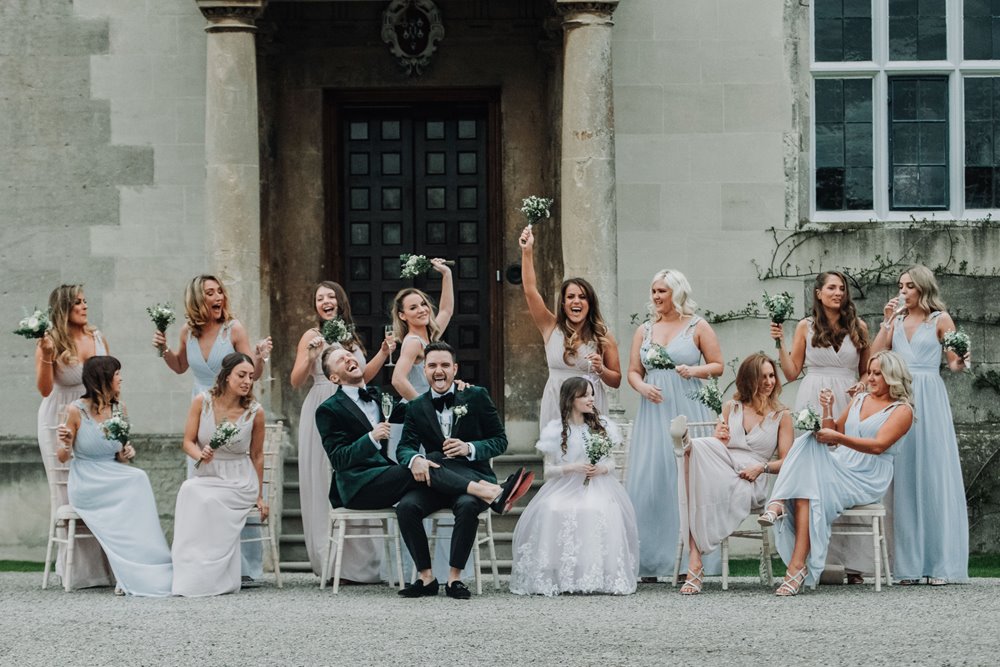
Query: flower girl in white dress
(578,535)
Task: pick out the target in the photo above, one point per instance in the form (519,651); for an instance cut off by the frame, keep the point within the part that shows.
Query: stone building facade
(144,149)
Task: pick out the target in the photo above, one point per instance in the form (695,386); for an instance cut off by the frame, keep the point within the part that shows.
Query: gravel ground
(369,625)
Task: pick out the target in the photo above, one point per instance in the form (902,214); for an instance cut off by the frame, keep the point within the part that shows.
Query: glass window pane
(858,189)
(392,199)
(978,38)
(858,144)
(933,143)
(917,30)
(435,198)
(391,164)
(904,99)
(829,35)
(919,142)
(979,143)
(437,233)
(858,100)
(856,8)
(842,30)
(468,232)
(829,8)
(390,129)
(978,187)
(435,163)
(359,199)
(359,131)
(857,39)
(468,197)
(933,187)
(829,100)
(978,99)
(359,164)
(392,233)
(435,129)
(905,187)
(466,129)
(844,144)
(361,268)
(932,100)
(905,144)
(391,267)
(903,39)
(359,233)
(468,267)
(830,145)
(466,163)
(982,134)
(830,189)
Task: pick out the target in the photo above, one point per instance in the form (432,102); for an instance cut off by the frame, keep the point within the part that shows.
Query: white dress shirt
(369,408)
(445,419)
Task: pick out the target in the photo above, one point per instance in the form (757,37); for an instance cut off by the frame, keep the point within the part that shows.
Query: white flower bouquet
(807,419)
(535,208)
(163,316)
(779,307)
(117,427)
(597,446)
(657,357)
(34,326)
(957,341)
(224,434)
(416,265)
(335,330)
(709,395)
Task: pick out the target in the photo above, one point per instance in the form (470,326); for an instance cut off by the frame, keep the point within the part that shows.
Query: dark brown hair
(830,334)
(98,374)
(593,329)
(572,389)
(229,362)
(343,312)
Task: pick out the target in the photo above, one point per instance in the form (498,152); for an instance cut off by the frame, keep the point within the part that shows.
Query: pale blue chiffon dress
(930,519)
(652,468)
(833,479)
(205,371)
(116,501)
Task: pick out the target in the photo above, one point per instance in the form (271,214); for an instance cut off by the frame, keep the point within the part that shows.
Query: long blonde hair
(896,374)
(61,303)
(401,328)
(930,293)
(680,293)
(197,311)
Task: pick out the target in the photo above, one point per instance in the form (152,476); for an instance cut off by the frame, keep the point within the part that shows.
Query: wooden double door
(418,177)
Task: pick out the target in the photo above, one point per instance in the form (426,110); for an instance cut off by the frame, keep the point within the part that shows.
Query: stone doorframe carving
(412,29)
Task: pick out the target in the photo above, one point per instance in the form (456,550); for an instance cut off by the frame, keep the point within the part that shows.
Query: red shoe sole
(522,488)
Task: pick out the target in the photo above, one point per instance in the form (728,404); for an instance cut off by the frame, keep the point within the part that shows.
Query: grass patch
(21,566)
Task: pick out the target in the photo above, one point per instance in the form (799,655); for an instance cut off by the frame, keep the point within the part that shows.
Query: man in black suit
(354,439)
(459,431)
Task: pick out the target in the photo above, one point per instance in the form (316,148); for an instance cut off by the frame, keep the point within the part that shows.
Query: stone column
(587,197)
(587,186)
(232,155)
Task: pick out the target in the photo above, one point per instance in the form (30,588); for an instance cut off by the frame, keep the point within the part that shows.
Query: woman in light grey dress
(666,393)
(114,499)
(832,348)
(59,360)
(577,340)
(212,506)
(817,483)
(361,556)
(726,475)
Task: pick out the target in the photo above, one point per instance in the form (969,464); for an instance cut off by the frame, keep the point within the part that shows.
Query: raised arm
(883,339)
(410,350)
(786,435)
(306,352)
(544,318)
(791,361)
(446,307)
(241,343)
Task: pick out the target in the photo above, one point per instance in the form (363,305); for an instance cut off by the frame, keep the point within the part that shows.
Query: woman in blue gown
(114,499)
(651,477)
(929,515)
(817,483)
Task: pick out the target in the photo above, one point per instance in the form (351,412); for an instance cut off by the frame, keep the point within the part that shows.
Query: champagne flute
(62,414)
(390,336)
(387,405)
(900,305)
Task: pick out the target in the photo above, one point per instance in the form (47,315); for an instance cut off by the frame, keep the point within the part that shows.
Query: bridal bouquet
(34,325)
(597,446)
(657,357)
(416,265)
(779,307)
(117,427)
(957,341)
(709,395)
(224,434)
(336,331)
(162,315)
(535,208)
(807,419)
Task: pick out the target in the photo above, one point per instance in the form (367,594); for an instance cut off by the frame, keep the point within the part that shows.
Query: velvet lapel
(430,414)
(458,423)
(353,408)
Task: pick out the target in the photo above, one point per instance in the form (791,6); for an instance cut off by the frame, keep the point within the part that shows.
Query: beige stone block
(120,77)
(190,120)
(632,19)
(696,108)
(763,20)
(179,75)
(672,61)
(120,8)
(743,61)
(625,68)
(140,121)
(684,19)
(148,37)
(751,158)
(757,107)
(687,205)
(749,206)
(638,109)
(652,159)
(639,205)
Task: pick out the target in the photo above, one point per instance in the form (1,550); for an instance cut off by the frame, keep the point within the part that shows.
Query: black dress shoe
(457,590)
(499,504)
(419,589)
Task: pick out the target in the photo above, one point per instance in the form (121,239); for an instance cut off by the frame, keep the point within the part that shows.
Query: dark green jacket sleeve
(409,443)
(493,440)
(344,451)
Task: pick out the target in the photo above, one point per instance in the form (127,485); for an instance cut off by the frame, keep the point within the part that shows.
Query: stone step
(296,566)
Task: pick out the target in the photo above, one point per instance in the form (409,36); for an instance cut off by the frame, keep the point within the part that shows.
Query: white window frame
(879,69)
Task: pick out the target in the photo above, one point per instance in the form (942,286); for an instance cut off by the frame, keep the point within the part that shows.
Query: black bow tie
(442,402)
(367,394)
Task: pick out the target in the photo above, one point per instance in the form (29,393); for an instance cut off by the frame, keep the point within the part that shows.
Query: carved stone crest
(412,29)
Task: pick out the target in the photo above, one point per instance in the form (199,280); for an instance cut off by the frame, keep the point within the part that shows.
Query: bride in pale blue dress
(817,483)
(114,499)
(929,515)
(209,333)
(652,471)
